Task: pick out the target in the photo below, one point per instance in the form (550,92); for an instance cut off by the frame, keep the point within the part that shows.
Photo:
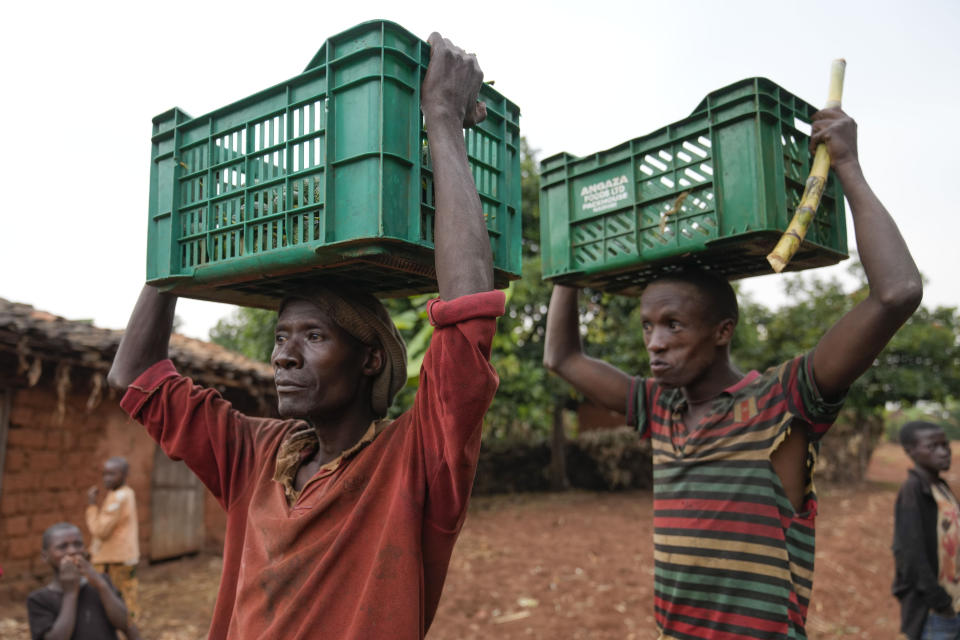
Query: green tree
(247,331)
(530,197)
(920,364)
(529,398)
(410,316)
(527,394)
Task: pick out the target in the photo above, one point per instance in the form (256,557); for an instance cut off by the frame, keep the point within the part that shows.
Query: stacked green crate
(324,176)
(715,189)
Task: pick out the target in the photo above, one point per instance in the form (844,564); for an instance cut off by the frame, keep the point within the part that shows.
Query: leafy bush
(602,460)
(610,459)
(947,415)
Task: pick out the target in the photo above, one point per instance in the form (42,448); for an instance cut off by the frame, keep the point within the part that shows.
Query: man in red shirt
(340,523)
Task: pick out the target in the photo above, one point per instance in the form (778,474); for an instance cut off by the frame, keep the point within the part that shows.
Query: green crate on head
(324,177)
(716,189)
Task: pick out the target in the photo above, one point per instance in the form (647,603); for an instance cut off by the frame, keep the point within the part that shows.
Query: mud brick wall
(51,461)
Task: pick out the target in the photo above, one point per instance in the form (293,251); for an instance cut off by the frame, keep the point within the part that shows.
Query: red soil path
(579,565)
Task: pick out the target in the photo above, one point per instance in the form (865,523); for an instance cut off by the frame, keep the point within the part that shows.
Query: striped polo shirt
(733,559)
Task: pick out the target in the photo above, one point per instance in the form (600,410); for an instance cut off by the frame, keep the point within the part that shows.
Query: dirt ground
(579,565)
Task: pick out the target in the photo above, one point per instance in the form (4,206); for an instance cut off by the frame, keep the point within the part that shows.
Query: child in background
(79,603)
(926,539)
(115,548)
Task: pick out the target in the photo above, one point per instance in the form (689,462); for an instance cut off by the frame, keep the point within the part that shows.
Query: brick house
(59,421)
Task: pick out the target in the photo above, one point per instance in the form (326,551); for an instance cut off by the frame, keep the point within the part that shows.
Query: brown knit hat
(366,319)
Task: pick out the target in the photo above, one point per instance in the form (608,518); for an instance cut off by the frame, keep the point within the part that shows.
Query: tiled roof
(31,333)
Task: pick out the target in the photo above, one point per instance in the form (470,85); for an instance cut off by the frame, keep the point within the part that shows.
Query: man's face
(680,338)
(318,367)
(113,475)
(931,451)
(63,543)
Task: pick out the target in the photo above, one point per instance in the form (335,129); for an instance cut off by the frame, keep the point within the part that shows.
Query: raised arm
(463,258)
(146,340)
(563,354)
(66,620)
(101,521)
(849,347)
(188,421)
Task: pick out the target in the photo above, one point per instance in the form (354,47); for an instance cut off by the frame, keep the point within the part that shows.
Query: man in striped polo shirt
(733,454)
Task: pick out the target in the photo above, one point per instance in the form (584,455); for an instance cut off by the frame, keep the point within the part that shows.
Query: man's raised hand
(834,128)
(452,83)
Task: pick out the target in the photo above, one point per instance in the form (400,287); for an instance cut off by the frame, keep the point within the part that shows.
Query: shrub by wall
(602,460)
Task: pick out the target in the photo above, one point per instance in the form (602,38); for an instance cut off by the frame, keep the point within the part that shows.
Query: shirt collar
(925,483)
(678,403)
(301,444)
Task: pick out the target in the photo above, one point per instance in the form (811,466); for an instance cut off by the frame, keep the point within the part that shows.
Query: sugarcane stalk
(793,237)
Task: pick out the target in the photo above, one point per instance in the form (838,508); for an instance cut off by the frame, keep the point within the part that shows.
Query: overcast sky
(83,80)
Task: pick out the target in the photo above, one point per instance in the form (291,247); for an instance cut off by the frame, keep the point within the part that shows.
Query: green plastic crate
(325,176)
(715,189)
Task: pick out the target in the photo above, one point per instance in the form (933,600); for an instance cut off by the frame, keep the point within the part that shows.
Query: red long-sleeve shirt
(363,552)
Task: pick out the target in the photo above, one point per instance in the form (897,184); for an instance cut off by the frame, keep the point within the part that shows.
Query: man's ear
(373,361)
(724,333)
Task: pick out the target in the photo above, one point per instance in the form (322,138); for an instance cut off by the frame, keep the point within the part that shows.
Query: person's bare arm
(563,354)
(63,626)
(464,262)
(112,604)
(146,339)
(848,348)
(102,521)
